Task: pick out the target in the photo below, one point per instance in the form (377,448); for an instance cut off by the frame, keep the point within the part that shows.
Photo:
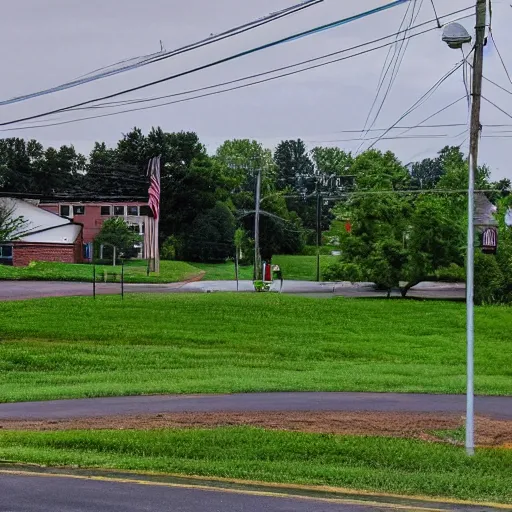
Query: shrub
(489,280)
(341,271)
(452,274)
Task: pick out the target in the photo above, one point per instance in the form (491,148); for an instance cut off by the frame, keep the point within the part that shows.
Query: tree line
(407,223)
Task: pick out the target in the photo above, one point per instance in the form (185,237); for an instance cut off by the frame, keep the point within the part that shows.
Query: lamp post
(455,35)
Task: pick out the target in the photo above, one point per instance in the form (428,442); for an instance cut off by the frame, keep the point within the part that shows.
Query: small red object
(348,227)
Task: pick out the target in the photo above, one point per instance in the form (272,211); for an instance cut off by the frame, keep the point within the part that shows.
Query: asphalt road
(21,290)
(44,493)
(495,407)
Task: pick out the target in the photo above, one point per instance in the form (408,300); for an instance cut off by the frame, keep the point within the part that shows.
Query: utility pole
(318,229)
(257,257)
(481,16)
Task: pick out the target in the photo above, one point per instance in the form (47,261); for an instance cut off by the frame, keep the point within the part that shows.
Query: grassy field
(216,343)
(135,272)
(398,466)
(301,268)
(224,271)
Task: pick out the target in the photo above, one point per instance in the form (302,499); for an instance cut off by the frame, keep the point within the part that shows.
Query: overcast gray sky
(45,43)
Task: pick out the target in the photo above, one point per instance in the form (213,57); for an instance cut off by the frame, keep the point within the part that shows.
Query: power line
(499,55)
(398,137)
(385,67)
(224,90)
(435,13)
(217,62)
(402,49)
(156,57)
(419,125)
(497,107)
(420,102)
(154,98)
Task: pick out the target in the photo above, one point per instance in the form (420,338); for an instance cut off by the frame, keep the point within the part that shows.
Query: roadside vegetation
(222,343)
(400,466)
(134,272)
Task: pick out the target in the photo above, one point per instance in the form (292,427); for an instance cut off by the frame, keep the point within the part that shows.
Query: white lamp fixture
(455,35)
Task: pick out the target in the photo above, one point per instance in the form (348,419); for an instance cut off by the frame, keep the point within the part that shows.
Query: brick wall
(26,252)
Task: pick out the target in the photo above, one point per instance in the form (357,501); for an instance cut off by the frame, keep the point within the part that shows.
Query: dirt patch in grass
(426,427)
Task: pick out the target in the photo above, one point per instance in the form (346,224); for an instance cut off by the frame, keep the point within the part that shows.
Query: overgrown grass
(220,343)
(301,268)
(379,464)
(134,272)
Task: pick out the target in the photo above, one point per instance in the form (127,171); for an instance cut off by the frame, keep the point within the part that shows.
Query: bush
(341,271)
(170,248)
(452,274)
(489,280)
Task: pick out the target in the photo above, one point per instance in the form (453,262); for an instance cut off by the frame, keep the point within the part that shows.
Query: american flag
(154,186)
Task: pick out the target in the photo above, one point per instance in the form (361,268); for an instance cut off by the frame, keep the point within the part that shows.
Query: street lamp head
(455,35)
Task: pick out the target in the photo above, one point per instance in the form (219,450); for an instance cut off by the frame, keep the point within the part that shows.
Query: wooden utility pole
(481,17)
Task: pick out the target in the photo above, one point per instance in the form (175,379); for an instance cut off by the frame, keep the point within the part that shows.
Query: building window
(106,211)
(145,211)
(78,209)
(64,210)
(119,211)
(5,252)
(142,228)
(133,210)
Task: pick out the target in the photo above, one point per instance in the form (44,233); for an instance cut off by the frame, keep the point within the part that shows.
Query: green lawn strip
(401,466)
(134,272)
(295,268)
(224,271)
(301,268)
(221,343)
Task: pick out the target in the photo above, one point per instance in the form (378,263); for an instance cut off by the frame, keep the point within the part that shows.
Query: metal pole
(122,279)
(318,230)
(257,258)
(93,274)
(481,14)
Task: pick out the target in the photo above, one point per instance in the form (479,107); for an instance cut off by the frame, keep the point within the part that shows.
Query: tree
(211,238)
(117,234)
(11,226)
(331,161)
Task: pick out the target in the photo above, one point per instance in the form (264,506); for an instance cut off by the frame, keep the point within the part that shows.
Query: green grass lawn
(378,464)
(220,343)
(224,271)
(134,272)
(302,268)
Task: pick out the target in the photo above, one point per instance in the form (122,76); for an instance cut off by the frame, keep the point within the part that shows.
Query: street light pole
(481,14)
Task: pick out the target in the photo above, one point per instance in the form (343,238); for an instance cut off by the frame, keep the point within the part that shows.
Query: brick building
(44,236)
(92,215)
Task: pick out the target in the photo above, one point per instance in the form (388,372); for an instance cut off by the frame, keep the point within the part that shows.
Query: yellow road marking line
(250,492)
(226,490)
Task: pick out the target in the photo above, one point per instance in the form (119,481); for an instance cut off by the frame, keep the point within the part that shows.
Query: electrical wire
(399,53)
(156,57)
(308,61)
(419,125)
(497,107)
(217,62)
(386,65)
(435,13)
(217,92)
(499,55)
(421,101)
